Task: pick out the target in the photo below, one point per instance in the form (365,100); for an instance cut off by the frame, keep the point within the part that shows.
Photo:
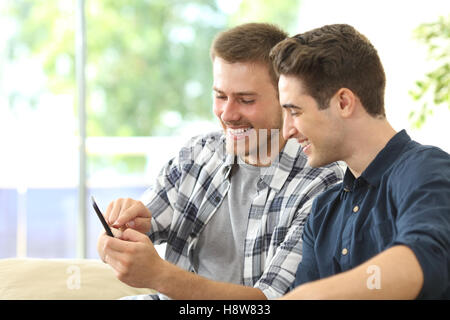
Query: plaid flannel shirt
(191,187)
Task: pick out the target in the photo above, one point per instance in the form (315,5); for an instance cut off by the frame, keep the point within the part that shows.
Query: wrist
(162,276)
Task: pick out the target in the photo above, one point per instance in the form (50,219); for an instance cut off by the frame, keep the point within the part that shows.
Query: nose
(289,130)
(230,111)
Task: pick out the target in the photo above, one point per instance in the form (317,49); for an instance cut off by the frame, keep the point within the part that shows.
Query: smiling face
(318,131)
(246,103)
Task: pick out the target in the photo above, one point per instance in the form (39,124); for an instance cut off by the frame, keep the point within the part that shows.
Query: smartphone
(102,219)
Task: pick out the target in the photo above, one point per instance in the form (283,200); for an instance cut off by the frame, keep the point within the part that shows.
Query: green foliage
(282,13)
(147,61)
(148,65)
(144,58)
(434,89)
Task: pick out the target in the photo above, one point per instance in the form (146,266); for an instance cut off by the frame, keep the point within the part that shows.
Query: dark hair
(250,42)
(333,57)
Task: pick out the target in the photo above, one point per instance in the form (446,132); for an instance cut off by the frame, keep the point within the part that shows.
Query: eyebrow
(243,93)
(290,106)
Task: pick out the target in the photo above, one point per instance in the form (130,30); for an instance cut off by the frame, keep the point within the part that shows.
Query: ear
(345,101)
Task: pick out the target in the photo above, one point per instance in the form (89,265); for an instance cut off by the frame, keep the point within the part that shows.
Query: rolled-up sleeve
(423,223)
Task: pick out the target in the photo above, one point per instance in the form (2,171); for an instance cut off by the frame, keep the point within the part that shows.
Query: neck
(366,142)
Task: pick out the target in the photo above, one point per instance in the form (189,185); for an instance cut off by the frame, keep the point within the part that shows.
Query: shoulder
(334,170)
(312,181)
(325,177)
(421,163)
(201,148)
(420,172)
(208,140)
(320,177)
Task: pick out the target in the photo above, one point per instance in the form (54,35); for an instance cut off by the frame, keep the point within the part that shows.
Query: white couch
(61,279)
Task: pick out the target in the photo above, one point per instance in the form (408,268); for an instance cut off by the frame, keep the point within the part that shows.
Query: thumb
(132,235)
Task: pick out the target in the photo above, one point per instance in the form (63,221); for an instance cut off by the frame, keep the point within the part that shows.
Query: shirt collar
(228,162)
(276,174)
(383,161)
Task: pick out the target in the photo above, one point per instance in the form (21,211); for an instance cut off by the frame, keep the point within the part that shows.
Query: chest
(362,224)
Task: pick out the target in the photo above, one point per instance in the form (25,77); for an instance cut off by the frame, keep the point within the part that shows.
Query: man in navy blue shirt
(384,233)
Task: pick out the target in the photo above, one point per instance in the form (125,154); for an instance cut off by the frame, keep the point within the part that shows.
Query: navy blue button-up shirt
(403,197)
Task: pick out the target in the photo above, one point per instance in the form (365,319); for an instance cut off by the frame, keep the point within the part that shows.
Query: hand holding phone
(102,219)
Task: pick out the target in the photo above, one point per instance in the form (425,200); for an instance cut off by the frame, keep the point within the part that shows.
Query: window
(148,80)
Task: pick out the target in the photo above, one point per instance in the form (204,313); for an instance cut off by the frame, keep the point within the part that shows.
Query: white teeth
(238,131)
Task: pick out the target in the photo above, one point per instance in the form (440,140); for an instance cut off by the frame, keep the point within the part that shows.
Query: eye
(245,101)
(220,97)
(292,113)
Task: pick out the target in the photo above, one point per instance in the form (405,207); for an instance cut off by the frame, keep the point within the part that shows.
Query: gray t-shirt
(219,254)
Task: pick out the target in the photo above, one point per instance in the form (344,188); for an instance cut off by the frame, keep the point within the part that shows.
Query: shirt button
(355,209)
(344,251)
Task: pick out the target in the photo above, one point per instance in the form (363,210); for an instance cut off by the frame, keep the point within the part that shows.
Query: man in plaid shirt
(232,205)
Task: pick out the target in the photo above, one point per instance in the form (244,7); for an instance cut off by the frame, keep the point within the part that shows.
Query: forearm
(392,274)
(180,284)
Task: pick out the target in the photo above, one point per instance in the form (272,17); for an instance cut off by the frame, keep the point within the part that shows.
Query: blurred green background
(148,65)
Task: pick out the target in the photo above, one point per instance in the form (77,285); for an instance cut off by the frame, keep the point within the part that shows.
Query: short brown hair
(250,42)
(333,57)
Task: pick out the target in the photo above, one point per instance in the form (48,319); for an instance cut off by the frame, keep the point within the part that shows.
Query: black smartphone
(102,219)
